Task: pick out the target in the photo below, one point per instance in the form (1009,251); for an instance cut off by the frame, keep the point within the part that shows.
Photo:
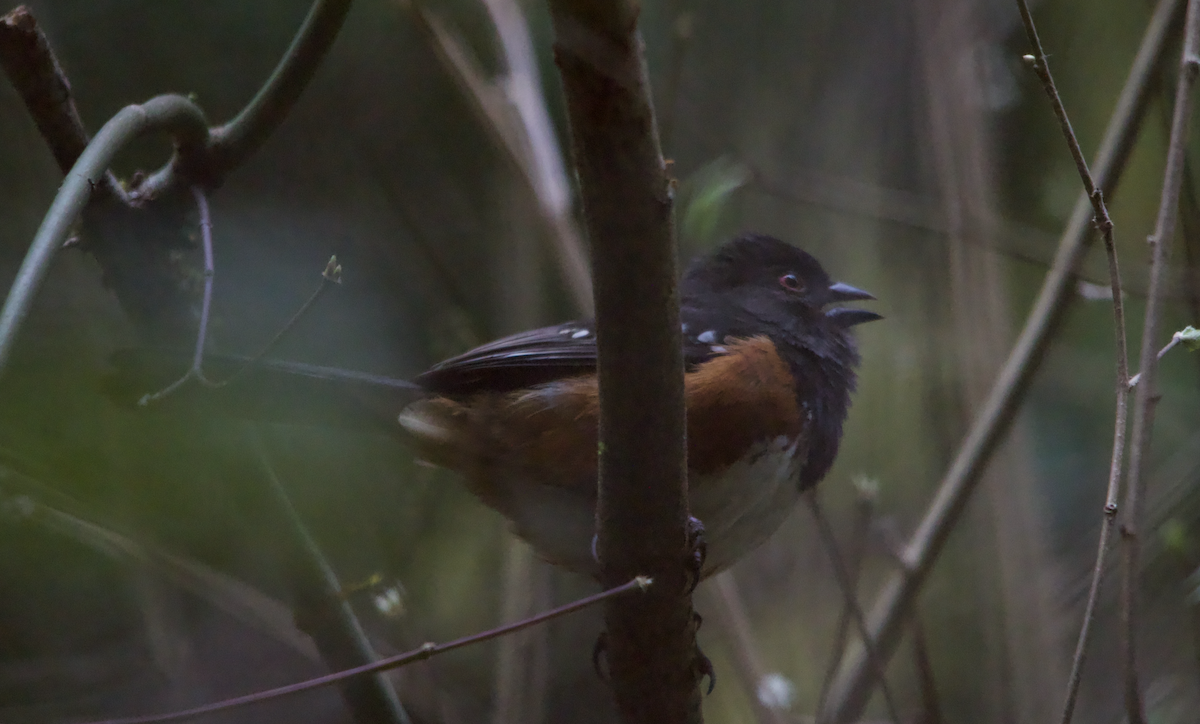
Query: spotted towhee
(769,372)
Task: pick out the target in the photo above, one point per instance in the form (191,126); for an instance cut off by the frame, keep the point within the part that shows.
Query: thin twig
(852,688)
(1146,395)
(1175,339)
(1105,226)
(171,113)
(864,512)
(331,276)
(846,583)
(196,371)
(731,617)
(329,618)
(426,651)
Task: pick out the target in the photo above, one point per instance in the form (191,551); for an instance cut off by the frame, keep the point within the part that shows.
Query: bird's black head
(778,283)
(756,285)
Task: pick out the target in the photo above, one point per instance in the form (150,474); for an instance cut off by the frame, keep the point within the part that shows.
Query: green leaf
(1190,336)
(706,196)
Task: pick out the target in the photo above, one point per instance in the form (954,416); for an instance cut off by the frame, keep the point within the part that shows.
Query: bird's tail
(267,390)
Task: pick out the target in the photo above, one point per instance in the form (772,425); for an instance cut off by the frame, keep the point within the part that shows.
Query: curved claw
(598,651)
(703,667)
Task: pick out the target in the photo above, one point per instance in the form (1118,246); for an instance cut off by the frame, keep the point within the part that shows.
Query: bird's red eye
(791,282)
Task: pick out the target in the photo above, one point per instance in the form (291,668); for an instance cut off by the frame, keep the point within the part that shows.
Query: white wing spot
(580,334)
(707,337)
(718,349)
(683,327)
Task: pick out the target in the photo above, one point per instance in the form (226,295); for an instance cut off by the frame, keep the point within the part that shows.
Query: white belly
(740,507)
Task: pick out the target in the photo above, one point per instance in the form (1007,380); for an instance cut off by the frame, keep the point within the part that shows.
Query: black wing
(539,356)
(521,360)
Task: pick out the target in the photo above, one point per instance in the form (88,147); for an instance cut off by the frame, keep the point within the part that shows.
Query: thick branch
(853,686)
(642,512)
(171,113)
(30,64)
(1146,395)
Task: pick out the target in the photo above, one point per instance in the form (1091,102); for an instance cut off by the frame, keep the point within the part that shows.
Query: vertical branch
(853,685)
(1105,226)
(642,509)
(1147,394)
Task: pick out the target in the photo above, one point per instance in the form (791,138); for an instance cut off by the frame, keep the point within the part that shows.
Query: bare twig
(1146,395)
(734,624)
(864,512)
(852,687)
(846,584)
(196,371)
(544,163)
(332,275)
(1105,226)
(1175,340)
(328,617)
(174,114)
(423,653)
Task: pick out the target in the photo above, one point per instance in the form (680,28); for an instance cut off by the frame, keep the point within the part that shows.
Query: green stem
(236,140)
(171,113)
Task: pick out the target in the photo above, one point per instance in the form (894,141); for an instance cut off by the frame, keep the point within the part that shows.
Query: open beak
(846,316)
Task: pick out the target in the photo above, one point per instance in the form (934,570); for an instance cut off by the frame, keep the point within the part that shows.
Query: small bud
(333,270)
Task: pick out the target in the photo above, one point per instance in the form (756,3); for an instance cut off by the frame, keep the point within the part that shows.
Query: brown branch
(853,685)
(1105,226)
(426,651)
(1147,394)
(642,509)
(32,68)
